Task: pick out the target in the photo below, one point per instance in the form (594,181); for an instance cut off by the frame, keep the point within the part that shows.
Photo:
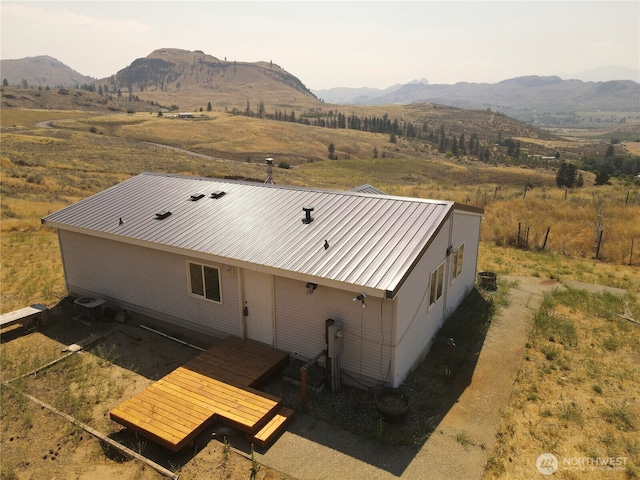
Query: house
(273,263)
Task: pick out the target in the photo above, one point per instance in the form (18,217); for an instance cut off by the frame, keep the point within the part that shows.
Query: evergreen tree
(442,145)
(609,152)
(567,174)
(209,107)
(332,150)
(602,176)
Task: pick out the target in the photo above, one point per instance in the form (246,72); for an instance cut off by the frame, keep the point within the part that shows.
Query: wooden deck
(216,385)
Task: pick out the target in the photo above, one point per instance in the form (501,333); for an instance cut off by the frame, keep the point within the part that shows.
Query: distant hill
(66,99)
(550,94)
(190,80)
(41,71)
(605,74)
(195,75)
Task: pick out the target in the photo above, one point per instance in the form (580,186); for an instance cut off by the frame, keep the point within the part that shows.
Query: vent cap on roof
(307,214)
(162,215)
(196,196)
(218,193)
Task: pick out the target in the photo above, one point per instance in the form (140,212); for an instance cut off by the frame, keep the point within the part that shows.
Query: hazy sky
(335,43)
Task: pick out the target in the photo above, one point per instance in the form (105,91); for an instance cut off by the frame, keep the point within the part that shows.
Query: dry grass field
(44,169)
(576,395)
(579,391)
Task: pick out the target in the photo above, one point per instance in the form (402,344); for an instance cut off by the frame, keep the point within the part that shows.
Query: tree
(442,146)
(5,82)
(609,152)
(567,174)
(209,107)
(332,150)
(602,176)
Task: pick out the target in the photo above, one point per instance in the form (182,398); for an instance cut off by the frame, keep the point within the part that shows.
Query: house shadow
(344,421)
(125,344)
(431,392)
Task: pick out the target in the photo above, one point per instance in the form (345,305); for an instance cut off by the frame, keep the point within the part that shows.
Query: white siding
(300,327)
(147,281)
(466,228)
(416,323)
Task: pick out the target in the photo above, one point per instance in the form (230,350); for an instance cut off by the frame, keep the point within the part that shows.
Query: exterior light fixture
(360,298)
(311,287)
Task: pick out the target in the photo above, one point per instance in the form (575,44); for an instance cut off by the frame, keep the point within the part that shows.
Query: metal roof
(373,240)
(366,188)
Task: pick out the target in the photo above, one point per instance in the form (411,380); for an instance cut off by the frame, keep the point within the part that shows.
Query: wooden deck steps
(216,384)
(270,432)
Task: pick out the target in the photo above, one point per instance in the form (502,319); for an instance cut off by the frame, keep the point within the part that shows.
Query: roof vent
(162,215)
(307,218)
(195,197)
(217,194)
(269,179)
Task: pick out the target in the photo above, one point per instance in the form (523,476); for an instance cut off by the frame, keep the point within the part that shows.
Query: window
(456,262)
(435,284)
(204,281)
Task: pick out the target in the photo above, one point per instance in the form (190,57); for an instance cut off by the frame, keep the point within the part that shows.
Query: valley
(60,147)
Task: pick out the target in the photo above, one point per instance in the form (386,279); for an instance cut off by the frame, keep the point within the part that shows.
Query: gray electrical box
(335,340)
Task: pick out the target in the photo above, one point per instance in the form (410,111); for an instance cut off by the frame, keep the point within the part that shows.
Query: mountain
(352,95)
(190,80)
(549,94)
(41,71)
(604,74)
(190,76)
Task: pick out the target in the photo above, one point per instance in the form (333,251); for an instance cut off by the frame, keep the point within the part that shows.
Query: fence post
(544,244)
(599,243)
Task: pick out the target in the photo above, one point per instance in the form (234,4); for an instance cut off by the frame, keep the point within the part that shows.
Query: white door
(258,303)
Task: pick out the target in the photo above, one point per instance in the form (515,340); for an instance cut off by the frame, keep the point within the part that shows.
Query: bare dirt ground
(40,444)
(529,392)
